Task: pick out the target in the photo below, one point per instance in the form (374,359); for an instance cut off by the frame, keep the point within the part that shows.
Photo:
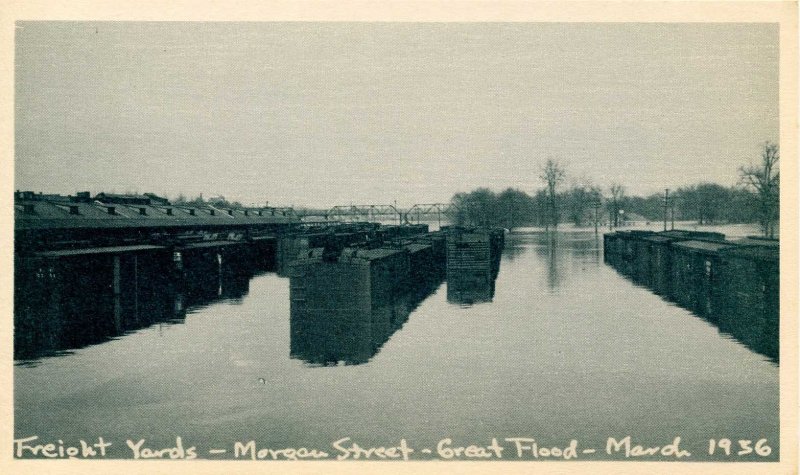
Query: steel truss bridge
(376,212)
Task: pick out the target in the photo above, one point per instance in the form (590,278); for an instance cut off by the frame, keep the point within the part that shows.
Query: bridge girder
(368,212)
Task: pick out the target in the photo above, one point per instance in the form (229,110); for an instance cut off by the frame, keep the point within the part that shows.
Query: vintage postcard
(400,236)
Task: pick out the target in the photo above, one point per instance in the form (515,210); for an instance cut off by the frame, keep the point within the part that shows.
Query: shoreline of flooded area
(561,347)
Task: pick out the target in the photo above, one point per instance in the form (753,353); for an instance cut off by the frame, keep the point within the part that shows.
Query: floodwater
(565,348)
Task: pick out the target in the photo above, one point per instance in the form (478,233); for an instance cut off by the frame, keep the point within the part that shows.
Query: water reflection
(208,277)
(512,250)
(562,248)
(467,289)
(735,288)
(344,320)
(71,301)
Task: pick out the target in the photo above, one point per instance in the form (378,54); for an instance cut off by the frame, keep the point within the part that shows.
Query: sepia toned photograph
(398,241)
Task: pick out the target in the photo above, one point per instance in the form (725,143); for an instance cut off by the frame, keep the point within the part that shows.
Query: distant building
(145,199)
(157,200)
(80,197)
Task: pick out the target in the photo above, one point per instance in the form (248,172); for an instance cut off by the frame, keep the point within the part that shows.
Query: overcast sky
(338,113)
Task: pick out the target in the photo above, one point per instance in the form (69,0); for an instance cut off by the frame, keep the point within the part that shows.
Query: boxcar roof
(659,239)
(703,246)
(753,252)
(416,247)
(368,254)
(754,241)
(98,250)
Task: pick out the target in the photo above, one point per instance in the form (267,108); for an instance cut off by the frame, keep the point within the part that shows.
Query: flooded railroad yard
(552,344)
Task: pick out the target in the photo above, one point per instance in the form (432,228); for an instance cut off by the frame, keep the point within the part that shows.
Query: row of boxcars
(731,283)
(410,254)
(473,261)
(346,302)
(67,298)
(302,242)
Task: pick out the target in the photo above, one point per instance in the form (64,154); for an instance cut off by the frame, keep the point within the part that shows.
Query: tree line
(220,201)
(754,199)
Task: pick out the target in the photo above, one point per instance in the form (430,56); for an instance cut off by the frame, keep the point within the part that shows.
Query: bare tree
(764,180)
(552,176)
(617,197)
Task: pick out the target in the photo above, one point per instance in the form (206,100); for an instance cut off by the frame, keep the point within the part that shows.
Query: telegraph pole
(672,214)
(666,204)
(596,206)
